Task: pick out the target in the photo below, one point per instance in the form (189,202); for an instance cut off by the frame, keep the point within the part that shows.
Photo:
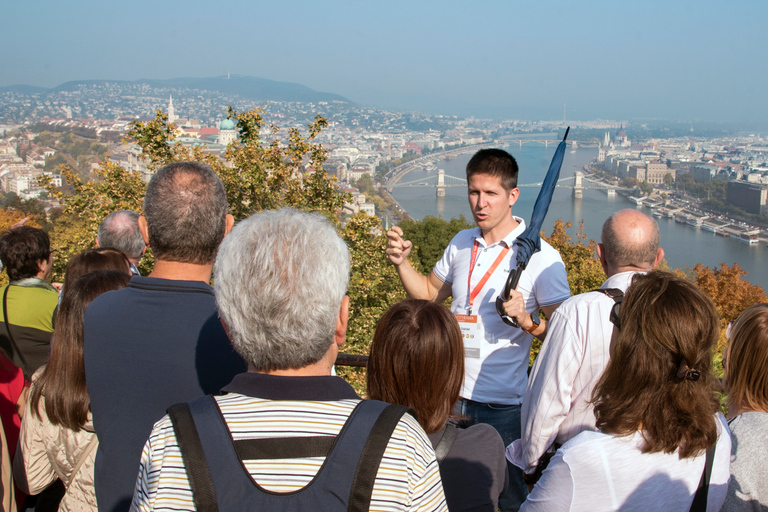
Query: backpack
(220,481)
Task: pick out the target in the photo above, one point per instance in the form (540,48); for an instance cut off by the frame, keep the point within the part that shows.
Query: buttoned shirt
(571,360)
(499,374)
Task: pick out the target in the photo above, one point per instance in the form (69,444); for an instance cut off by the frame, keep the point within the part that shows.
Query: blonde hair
(746,360)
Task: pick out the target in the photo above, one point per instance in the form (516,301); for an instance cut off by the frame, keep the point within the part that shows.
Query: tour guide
(473,270)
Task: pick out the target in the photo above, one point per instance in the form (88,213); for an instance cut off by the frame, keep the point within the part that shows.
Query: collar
(622,280)
(509,239)
(169,285)
(34,282)
(278,387)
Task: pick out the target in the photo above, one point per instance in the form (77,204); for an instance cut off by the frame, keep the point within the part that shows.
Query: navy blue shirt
(148,346)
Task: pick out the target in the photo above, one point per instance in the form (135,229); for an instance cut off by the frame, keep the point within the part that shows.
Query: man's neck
(177,271)
(500,232)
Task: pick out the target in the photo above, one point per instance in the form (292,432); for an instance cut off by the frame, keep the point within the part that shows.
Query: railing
(352,360)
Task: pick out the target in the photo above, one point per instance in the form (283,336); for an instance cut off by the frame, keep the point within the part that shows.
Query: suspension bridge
(578,182)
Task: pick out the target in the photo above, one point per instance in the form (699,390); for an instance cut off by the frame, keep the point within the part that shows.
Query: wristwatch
(536,321)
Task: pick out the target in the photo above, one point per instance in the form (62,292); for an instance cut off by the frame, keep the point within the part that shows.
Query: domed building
(227,132)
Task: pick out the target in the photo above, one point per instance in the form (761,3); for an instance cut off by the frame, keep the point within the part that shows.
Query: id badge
(470,332)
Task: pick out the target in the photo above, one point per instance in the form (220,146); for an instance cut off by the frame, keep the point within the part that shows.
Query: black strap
(197,468)
(10,334)
(700,499)
(284,448)
(446,442)
(370,459)
(615,293)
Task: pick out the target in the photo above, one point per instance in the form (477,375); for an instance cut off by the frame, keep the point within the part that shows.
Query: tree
(668,180)
(430,237)
(580,257)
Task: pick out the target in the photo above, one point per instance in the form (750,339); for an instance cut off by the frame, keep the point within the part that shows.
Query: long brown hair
(62,381)
(90,260)
(417,359)
(746,361)
(659,377)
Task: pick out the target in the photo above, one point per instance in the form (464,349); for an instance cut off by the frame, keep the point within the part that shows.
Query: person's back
(158,341)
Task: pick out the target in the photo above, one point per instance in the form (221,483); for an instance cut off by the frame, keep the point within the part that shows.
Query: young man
(474,270)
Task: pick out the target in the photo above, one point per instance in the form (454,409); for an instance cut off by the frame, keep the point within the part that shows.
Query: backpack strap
(615,293)
(195,464)
(700,498)
(370,459)
(446,442)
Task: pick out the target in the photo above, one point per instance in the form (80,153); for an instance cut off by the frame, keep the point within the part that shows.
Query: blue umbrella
(530,241)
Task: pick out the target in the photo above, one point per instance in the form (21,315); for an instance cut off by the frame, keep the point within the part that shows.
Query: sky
(651,59)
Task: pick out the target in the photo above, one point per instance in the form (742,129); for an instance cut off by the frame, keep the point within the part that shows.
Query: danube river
(684,245)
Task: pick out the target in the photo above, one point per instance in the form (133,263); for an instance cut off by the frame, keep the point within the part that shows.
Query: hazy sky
(677,59)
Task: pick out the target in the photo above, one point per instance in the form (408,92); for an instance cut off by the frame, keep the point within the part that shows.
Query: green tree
(430,237)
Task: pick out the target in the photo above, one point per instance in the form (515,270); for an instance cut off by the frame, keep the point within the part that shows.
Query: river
(684,245)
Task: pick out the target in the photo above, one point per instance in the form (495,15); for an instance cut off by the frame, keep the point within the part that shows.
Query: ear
(144,230)
(601,257)
(514,194)
(341,322)
(659,257)
(229,223)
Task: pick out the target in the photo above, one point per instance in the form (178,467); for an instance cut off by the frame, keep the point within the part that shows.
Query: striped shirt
(408,477)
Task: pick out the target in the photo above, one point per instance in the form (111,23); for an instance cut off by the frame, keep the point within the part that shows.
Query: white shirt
(499,375)
(568,366)
(597,472)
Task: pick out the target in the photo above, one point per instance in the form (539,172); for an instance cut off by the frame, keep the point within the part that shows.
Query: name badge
(471,334)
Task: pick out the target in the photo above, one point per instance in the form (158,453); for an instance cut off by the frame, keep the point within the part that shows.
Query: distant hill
(248,87)
(24,89)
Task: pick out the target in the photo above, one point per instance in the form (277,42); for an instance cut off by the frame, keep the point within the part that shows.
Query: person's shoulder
(107,301)
(482,431)
(465,237)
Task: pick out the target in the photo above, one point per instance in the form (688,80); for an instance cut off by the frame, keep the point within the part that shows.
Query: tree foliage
(430,237)
(580,257)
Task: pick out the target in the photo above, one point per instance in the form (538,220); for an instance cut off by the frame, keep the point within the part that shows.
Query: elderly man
(120,230)
(159,340)
(556,406)
(281,280)
(29,300)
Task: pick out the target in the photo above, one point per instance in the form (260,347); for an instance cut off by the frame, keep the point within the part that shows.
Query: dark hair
(417,359)
(21,251)
(494,162)
(668,330)
(91,260)
(120,230)
(746,360)
(62,381)
(186,207)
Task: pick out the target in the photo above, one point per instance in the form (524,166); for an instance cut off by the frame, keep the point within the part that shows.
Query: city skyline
(682,60)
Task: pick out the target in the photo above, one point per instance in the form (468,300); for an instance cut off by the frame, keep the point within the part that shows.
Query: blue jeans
(506,420)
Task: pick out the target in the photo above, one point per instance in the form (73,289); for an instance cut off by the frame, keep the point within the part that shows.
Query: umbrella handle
(512,280)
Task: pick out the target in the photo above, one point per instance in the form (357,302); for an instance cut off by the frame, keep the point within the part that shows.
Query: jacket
(48,452)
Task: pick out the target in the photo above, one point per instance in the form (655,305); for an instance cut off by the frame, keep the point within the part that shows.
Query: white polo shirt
(499,375)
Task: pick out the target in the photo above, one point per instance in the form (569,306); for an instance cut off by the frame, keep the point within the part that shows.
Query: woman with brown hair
(57,439)
(746,380)
(656,410)
(417,360)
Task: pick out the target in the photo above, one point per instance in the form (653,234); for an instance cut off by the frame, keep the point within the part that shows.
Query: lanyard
(488,273)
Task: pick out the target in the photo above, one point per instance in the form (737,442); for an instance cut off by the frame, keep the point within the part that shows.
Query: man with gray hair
(120,230)
(159,340)
(556,406)
(281,279)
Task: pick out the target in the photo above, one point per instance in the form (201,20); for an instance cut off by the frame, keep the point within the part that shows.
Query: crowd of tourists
(127,392)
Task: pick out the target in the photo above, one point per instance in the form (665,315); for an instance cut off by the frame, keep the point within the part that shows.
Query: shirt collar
(622,280)
(34,282)
(509,239)
(274,387)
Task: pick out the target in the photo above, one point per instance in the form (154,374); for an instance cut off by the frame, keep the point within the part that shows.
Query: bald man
(574,355)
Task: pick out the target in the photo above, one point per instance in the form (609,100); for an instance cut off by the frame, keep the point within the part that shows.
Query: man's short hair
(22,249)
(185,206)
(120,230)
(280,278)
(494,162)
(629,253)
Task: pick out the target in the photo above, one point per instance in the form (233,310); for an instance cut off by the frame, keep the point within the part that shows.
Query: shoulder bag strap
(446,442)
(192,454)
(10,334)
(370,459)
(700,499)
(94,442)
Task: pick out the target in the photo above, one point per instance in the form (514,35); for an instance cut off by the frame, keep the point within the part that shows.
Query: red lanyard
(488,273)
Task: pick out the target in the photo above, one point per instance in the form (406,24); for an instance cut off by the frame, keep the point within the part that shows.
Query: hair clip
(687,373)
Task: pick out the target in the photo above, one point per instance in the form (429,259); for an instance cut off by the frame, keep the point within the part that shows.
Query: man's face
(489,202)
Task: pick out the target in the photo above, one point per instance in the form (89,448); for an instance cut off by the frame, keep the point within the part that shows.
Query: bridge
(577,182)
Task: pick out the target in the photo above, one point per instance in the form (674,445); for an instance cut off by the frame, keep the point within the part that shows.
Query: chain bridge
(577,182)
